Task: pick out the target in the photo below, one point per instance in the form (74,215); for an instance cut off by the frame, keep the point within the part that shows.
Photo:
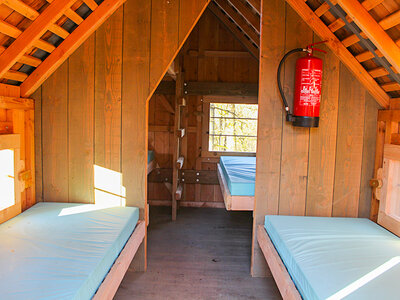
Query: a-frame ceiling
(36,36)
(364,34)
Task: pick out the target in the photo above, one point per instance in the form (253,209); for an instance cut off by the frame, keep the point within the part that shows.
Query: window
(233,127)
(7,178)
(10,185)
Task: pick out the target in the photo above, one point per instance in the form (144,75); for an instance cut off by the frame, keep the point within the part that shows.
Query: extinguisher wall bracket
(290,118)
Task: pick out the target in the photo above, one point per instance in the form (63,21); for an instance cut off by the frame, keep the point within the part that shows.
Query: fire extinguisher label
(310,87)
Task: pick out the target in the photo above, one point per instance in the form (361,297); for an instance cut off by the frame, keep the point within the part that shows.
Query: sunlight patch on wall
(108,189)
(7,186)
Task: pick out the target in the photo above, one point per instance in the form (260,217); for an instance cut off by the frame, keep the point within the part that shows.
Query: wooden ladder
(179,133)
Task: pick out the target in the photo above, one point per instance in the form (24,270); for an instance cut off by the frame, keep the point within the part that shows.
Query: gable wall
(209,34)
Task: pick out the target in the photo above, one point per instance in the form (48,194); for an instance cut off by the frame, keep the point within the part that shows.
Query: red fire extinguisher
(307,89)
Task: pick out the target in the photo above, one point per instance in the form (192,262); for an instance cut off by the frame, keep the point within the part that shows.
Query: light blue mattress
(338,258)
(150,156)
(61,250)
(240,174)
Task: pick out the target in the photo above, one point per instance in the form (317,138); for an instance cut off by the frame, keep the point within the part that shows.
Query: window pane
(7,197)
(233,127)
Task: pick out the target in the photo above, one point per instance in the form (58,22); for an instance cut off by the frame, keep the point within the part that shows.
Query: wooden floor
(205,254)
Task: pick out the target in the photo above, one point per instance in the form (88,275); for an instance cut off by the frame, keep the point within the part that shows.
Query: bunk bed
(336,258)
(236,176)
(65,250)
(151,161)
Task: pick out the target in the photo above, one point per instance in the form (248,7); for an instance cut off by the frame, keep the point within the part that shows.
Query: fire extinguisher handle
(320,50)
(278,75)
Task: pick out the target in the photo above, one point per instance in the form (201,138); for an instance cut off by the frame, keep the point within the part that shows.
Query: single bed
(339,258)
(67,251)
(236,176)
(151,162)
(333,258)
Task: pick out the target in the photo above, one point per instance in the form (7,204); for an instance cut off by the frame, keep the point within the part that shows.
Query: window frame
(13,141)
(206,123)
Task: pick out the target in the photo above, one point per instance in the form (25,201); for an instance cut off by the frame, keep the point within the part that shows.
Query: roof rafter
(28,12)
(32,34)
(232,27)
(247,13)
(373,31)
(256,4)
(340,50)
(69,45)
(239,21)
(70,14)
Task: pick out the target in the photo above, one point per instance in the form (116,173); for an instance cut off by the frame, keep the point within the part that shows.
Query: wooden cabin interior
(147,152)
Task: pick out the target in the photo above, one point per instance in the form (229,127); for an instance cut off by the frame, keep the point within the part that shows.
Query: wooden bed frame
(282,278)
(233,202)
(387,193)
(117,272)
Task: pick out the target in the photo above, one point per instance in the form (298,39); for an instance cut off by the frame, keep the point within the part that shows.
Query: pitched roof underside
(364,34)
(33,32)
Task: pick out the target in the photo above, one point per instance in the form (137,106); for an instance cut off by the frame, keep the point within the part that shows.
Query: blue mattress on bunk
(240,174)
(61,250)
(337,258)
(150,156)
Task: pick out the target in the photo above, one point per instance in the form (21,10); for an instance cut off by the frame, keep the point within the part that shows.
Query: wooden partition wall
(93,110)
(314,172)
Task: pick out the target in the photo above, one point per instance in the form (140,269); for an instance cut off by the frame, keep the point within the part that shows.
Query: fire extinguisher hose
(285,103)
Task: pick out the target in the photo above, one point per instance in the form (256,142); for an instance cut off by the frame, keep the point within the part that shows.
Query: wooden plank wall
(93,109)
(22,122)
(315,172)
(209,34)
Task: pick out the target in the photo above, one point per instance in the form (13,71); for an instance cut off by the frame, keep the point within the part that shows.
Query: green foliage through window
(233,127)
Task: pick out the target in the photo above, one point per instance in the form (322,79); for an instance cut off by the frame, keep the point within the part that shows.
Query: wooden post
(177,159)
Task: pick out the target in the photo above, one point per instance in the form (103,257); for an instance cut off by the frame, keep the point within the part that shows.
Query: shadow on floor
(205,254)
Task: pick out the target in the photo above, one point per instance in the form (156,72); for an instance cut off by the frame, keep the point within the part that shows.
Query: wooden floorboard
(205,254)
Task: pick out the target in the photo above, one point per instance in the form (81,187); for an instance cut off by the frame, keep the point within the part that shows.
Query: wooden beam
(219,53)
(70,14)
(239,20)
(340,51)
(165,88)
(15,32)
(26,59)
(374,32)
(16,103)
(69,45)
(221,88)
(15,75)
(251,47)
(32,34)
(339,23)
(246,12)
(28,12)
(91,4)
(204,88)
(256,4)
(21,8)
(167,105)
